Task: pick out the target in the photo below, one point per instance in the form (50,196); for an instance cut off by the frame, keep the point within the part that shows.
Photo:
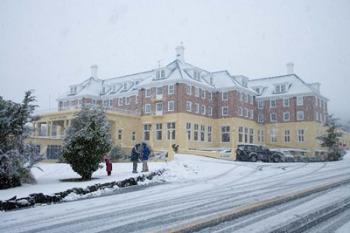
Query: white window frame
(203,112)
(300,135)
(222,111)
(148,106)
(171,103)
(210,111)
(240,111)
(197,108)
(284,116)
(189,90)
(148,92)
(286,104)
(273,114)
(273,101)
(171,89)
(300,115)
(225,130)
(203,93)
(196,91)
(224,96)
(188,106)
(261,104)
(300,100)
(287,136)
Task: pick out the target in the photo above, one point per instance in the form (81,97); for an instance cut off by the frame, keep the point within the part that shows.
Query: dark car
(257,152)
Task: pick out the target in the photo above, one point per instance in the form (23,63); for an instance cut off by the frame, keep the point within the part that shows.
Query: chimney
(94,71)
(180,49)
(290,68)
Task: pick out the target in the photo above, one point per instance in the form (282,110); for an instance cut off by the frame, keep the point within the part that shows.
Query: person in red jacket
(108,166)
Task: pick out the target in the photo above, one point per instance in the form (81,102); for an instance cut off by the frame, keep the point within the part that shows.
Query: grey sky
(48,45)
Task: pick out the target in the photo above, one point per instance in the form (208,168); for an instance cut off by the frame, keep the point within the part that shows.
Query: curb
(236,212)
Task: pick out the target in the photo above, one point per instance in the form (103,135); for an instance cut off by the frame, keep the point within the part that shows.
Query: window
(261,118)
(133,136)
(196,91)
(224,111)
(171,130)
(317,116)
(225,133)
(251,99)
(287,136)
(120,134)
(273,135)
(261,104)
(300,135)
(246,135)
(120,101)
(147,108)
(300,115)
(240,111)
(148,92)
(209,133)
(195,135)
(189,130)
(210,111)
(246,112)
(159,127)
(261,136)
(188,106)
(159,90)
(251,114)
(127,100)
(272,103)
(286,116)
(280,88)
(300,100)
(171,106)
(202,133)
(171,89)
(224,96)
(240,134)
(203,94)
(245,97)
(251,135)
(189,90)
(241,98)
(273,117)
(125,86)
(146,131)
(196,108)
(203,110)
(196,75)
(285,102)
(162,73)
(210,96)
(73,90)
(159,107)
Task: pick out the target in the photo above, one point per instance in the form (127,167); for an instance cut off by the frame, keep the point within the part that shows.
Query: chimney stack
(94,71)
(180,52)
(290,68)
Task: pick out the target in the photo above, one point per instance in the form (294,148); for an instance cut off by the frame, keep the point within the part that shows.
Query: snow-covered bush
(331,139)
(87,140)
(16,158)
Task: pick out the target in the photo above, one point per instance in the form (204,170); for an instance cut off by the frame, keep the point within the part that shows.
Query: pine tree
(331,139)
(16,158)
(87,140)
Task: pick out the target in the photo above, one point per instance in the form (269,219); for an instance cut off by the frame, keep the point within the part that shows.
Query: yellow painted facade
(127,130)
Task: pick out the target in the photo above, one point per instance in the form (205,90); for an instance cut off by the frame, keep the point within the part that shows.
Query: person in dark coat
(135,156)
(145,156)
(108,166)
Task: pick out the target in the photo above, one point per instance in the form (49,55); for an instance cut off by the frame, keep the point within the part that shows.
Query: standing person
(145,155)
(135,155)
(108,166)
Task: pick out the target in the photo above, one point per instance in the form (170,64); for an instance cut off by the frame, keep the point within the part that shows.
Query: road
(177,205)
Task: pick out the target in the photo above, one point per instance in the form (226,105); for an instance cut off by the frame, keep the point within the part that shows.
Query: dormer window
(73,90)
(196,75)
(280,88)
(160,74)
(103,90)
(125,86)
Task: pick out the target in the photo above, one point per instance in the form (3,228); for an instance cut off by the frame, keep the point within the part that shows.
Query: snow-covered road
(196,187)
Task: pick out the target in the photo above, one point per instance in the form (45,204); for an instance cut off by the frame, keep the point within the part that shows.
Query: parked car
(225,153)
(286,154)
(253,153)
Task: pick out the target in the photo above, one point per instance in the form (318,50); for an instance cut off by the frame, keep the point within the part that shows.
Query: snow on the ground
(48,177)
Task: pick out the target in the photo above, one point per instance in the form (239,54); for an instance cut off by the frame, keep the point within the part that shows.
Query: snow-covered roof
(293,85)
(179,71)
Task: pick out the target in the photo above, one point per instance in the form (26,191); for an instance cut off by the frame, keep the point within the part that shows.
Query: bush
(87,140)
